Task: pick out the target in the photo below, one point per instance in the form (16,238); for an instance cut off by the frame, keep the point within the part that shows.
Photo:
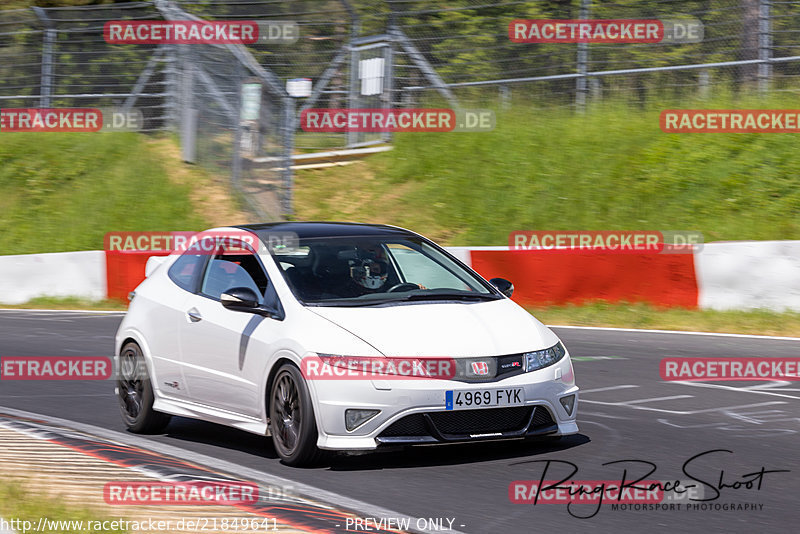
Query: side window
(186,269)
(227,270)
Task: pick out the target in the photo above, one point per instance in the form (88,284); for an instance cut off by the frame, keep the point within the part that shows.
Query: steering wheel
(403,286)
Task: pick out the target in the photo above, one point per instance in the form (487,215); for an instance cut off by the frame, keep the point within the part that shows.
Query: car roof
(326,229)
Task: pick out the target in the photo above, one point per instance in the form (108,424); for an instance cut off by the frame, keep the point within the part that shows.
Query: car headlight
(539,359)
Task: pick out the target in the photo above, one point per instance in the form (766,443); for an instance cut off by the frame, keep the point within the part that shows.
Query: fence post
(583,60)
(188,113)
(353,92)
(764,44)
(173,88)
(48,44)
(505,96)
(388,82)
(288,142)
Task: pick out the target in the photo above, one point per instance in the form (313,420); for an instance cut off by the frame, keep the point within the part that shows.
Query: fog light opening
(568,403)
(355,418)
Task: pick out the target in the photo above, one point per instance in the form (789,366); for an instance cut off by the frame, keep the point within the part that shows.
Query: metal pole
(48,46)
(353,96)
(583,60)
(388,83)
(173,88)
(764,44)
(188,113)
(288,143)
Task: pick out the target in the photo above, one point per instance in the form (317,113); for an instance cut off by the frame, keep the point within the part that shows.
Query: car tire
(135,393)
(291,415)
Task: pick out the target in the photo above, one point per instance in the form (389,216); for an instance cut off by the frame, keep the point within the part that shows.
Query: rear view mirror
(240,299)
(244,299)
(503,286)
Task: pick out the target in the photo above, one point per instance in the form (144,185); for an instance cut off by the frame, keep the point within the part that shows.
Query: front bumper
(413,411)
(469,425)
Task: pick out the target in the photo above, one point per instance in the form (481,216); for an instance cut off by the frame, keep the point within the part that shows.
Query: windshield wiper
(365,301)
(347,303)
(448,296)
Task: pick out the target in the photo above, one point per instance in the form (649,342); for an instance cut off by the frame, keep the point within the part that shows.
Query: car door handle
(194,315)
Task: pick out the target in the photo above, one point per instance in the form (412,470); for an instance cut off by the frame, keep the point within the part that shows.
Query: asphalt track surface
(626,413)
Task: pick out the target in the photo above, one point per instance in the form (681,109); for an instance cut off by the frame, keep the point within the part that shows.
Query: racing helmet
(369,272)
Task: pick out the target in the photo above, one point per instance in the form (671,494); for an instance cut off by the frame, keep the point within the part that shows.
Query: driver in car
(369,270)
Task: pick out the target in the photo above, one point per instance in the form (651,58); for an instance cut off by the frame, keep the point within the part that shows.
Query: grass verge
(68,303)
(18,504)
(64,191)
(643,316)
(549,169)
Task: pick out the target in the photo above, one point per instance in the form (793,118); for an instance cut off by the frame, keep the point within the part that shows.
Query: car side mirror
(503,286)
(244,299)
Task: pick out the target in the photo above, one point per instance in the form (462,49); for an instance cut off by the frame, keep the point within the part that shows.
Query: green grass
(64,191)
(643,316)
(552,169)
(68,303)
(18,504)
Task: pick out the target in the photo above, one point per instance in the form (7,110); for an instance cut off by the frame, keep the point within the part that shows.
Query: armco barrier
(60,274)
(733,275)
(125,271)
(544,277)
(742,275)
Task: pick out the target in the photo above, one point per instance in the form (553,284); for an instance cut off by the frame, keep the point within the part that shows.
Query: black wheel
(136,393)
(291,417)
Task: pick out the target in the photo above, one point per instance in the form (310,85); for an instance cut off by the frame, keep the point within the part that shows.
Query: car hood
(449,329)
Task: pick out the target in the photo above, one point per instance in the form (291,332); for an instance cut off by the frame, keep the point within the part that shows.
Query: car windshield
(375,270)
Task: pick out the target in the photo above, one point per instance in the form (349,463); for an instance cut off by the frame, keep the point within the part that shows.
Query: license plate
(483,398)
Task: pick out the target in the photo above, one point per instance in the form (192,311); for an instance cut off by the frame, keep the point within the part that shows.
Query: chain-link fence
(232,109)
(235,115)
(746,44)
(57,57)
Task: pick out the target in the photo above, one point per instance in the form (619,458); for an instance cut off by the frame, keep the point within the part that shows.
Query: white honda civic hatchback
(337,336)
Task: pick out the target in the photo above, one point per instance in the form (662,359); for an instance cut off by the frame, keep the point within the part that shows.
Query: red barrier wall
(546,277)
(125,271)
(539,277)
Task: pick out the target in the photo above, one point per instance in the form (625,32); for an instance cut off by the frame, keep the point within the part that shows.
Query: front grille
(481,421)
(459,425)
(410,425)
(497,366)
